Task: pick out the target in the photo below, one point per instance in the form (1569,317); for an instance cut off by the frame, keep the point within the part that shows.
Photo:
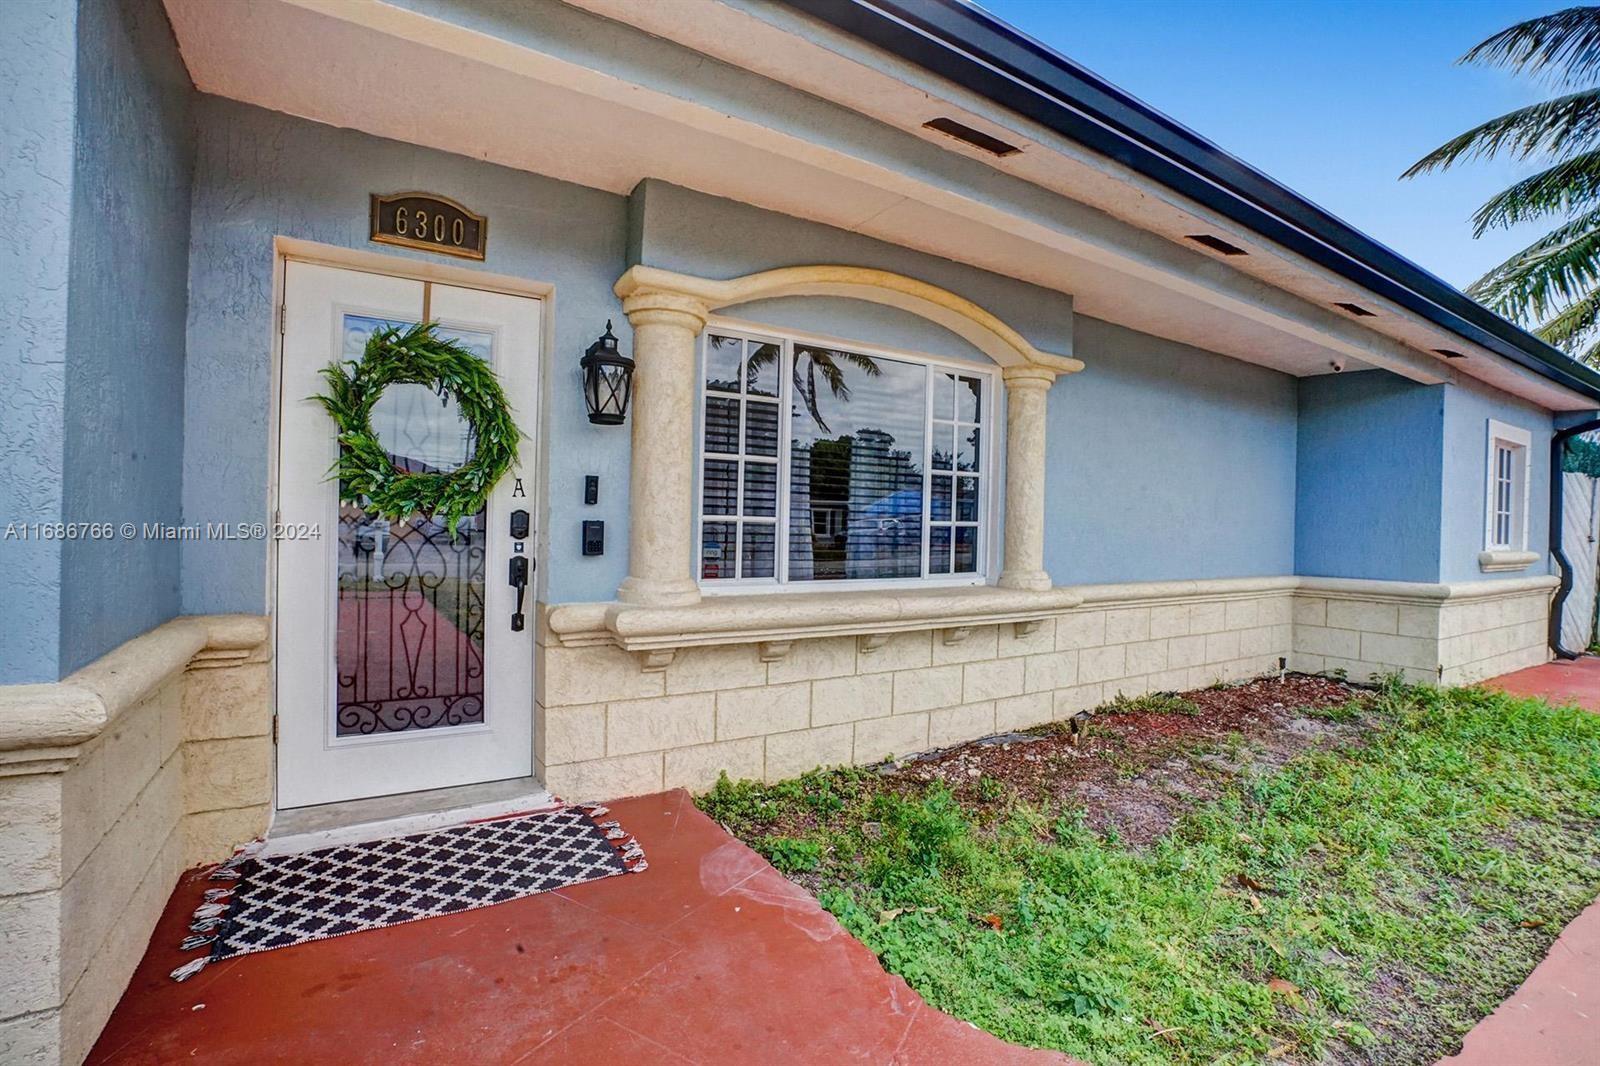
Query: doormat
(291,899)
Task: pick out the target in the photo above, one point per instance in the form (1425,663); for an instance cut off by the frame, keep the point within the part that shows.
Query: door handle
(519,581)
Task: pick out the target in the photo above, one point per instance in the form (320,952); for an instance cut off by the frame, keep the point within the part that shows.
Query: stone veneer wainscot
(623,711)
(154,758)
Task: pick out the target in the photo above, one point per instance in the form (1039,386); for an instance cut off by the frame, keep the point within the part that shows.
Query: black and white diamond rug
(278,901)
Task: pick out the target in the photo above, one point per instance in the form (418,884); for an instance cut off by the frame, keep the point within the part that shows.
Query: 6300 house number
(432,223)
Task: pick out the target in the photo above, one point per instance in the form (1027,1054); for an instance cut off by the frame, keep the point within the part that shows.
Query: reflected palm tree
(809,364)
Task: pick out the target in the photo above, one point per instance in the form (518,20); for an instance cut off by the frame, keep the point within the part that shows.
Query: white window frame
(1520,443)
(989,474)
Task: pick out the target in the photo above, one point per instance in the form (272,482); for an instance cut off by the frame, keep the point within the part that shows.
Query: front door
(398,668)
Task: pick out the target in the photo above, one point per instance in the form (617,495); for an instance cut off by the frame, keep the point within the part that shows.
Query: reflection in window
(739,476)
(857,445)
(957,410)
(883,474)
(410,612)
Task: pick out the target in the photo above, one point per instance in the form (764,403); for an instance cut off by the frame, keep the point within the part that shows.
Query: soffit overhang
(537,89)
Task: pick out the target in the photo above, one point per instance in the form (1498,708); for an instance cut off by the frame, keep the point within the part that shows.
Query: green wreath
(417,355)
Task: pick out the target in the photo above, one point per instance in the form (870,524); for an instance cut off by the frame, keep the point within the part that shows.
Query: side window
(1506,507)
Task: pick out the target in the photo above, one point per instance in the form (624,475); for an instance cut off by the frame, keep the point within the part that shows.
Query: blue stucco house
(968,393)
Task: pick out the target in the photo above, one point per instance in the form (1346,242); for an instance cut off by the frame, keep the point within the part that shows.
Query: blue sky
(1333,99)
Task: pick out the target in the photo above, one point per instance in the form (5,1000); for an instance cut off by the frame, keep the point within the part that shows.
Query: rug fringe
(189,969)
(208,917)
(632,851)
(228,869)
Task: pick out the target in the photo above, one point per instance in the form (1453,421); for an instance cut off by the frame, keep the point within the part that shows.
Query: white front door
(398,667)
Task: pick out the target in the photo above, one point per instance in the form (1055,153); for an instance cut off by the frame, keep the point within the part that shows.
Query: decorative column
(661,515)
(1026,387)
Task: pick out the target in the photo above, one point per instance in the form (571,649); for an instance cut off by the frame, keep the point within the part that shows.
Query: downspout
(1558,445)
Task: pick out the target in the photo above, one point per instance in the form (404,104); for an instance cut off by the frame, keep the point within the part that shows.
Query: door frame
(286,249)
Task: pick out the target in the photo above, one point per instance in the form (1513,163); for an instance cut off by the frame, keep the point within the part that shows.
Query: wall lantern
(607,380)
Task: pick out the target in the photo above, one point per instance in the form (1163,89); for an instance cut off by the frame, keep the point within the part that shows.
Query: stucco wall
(261,174)
(1467,410)
(1368,476)
(1187,457)
(1166,462)
(36,87)
(1391,477)
(679,229)
(125,333)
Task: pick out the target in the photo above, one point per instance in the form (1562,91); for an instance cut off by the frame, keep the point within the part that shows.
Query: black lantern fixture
(607,380)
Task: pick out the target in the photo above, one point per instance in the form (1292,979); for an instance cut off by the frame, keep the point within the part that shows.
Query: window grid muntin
(1507,473)
(741,458)
(988,440)
(955,476)
(1505,457)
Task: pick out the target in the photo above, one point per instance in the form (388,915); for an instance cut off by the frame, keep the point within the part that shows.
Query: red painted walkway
(1554,1018)
(710,956)
(1576,682)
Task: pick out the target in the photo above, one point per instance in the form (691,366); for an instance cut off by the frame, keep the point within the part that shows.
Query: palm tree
(810,362)
(1554,283)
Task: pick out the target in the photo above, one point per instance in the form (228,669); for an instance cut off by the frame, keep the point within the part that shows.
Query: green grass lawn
(1362,903)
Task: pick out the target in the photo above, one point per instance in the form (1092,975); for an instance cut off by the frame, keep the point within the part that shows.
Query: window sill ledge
(1494,562)
(775,622)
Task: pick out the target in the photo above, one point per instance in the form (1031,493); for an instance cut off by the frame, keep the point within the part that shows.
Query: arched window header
(644,286)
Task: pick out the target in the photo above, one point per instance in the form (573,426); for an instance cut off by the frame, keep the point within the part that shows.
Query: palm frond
(806,388)
(1574,322)
(1568,186)
(865,363)
(1589,354)
(1551,272)
(825,362)
(834,377)
(1563,46)
(1565,125)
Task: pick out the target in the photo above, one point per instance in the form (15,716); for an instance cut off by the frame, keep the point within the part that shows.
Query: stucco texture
(1370,468)
(1468,407)
(128,292)
(707,236)
(95,156)
(1167,462)
(1392,477)
(37,70)
(262,174)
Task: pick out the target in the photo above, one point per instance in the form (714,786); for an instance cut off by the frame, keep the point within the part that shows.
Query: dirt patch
(1396,949)
(1136,772)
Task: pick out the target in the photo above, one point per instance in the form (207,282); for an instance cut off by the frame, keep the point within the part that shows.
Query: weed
(1150,703)
(791,855)
(1367,901)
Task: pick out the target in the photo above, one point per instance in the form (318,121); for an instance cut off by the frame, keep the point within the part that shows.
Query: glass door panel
(411,596)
